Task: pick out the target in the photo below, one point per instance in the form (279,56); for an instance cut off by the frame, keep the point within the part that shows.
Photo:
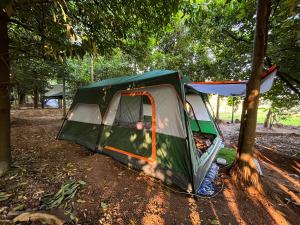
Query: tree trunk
(42,102)
(242,125)
(64,97)
(272,120)
(245,172)
(232,109)
(35,98)
(268,118)
(92,68)
(5,155)
(21,97)
(218,108)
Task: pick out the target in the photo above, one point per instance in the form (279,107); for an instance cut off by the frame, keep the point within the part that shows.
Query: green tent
(153,122)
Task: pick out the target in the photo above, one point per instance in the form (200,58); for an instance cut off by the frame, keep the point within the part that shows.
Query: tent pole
(188,139)
(63,123)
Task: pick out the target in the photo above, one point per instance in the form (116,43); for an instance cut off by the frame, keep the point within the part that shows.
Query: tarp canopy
(56,91)
(234,88)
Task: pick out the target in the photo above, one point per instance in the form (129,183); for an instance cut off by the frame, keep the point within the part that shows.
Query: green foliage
(290,119)
(284,37)
(31,74)
(284,49)
(55,30)
(207,40)
(283,100)
(234,101)
(227,153)
(65,193)
(118,64)
(4,3)
(67,28)
(78,70)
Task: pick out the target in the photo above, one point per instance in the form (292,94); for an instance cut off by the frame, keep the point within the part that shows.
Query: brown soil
(42,164)
(282,139)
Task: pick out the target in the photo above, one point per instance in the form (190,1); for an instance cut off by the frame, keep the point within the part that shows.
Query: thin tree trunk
(35,98)
(92,68)
(242,125)
(42,102)
(245,172)
(15,102)
(5,155)
(268,118)
(218,108)
(21,99)
(232,109)
(64,97)
(272,120)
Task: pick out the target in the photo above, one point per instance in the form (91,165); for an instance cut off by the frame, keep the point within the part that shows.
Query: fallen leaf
(14,176)
(19,207)
(104,206)
(132,222)
(214,221)
(4,196)
(81,201)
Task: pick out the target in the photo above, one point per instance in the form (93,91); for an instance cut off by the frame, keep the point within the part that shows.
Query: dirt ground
(42,164)
(282,139)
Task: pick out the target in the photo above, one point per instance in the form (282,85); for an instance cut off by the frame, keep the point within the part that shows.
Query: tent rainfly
(154,122)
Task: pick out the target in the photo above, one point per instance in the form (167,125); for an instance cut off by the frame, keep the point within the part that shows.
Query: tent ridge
(132,78)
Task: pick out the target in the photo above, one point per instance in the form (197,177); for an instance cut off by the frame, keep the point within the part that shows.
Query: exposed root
(44,217)
(245,175)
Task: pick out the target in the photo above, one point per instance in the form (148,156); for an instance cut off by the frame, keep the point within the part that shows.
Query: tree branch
(26,2)
(287,82)
(21,24)
(290,77)
(234,37)
(275,8)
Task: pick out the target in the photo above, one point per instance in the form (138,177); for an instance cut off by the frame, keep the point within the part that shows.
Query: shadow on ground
(42,164)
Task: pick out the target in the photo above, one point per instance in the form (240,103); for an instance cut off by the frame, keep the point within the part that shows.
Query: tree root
(43,217)
(245,175)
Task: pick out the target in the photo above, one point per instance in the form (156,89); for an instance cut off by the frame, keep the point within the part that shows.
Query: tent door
(133,132)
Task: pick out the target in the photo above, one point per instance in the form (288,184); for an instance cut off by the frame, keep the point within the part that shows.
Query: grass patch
(292,120)
(227,153)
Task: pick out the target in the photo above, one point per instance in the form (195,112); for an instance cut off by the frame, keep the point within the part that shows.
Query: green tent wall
(167,153)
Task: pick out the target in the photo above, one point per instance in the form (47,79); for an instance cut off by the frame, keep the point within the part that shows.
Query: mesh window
(130,111)
(133,110)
